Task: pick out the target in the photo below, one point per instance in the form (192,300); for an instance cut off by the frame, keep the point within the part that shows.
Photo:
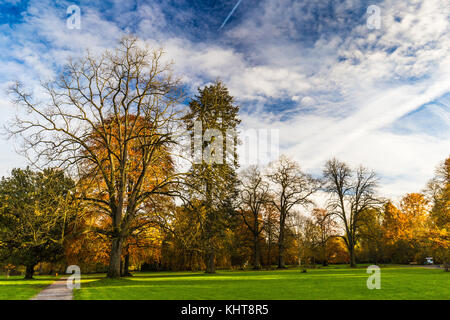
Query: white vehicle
(429,260)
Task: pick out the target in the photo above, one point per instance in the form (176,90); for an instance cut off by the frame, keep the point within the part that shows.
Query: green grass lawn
(16,288)
(328,283)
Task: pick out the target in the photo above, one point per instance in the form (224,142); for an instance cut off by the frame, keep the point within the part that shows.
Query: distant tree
(306,235)
(439,190)
(394,222)
(291,188)
(405,227)
(439,241)
(338,252)
(254,194)
(212,120)
(439,234)
(415,208)
(372,235)
(352,193)
(36,210)
(327,229)
(271,220)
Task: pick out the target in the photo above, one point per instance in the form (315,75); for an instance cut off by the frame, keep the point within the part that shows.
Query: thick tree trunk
(210,260)
(351,250)
(29,272)
(256,253)
(114,260)
(281,261)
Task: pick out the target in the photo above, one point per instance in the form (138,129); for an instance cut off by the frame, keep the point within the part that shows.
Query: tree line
(119,191)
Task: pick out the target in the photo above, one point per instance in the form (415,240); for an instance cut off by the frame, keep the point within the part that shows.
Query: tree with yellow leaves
(439,235)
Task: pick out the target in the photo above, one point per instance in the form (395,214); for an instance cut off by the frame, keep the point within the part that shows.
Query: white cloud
(357,81)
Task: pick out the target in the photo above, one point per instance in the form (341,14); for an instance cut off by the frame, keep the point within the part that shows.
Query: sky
(325,74)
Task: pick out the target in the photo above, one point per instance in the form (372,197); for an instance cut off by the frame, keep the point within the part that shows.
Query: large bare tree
(254,195)
(292,188)
(352,192)
(107,118)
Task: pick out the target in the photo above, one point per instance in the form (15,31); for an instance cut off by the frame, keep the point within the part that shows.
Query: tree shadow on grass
(175,274)
(23,279)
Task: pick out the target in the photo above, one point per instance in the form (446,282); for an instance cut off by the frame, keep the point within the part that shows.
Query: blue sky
(311,69)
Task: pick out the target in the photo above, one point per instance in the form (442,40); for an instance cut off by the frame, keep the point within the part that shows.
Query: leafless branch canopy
(109,119)
(352,192)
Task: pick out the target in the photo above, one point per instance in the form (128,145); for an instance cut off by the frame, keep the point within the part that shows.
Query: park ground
(17,288)
(397,283)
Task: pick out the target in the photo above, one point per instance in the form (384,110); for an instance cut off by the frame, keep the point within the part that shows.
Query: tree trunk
(281,249)
(269,250)
(210,220)
(351,250)
(281,261)
(256,253)
(114,260)
(126,266)
(29,272)
(324,256)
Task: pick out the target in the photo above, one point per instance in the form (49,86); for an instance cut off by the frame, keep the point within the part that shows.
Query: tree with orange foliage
(405,227)
(142,224)
(394,223)
(414,208)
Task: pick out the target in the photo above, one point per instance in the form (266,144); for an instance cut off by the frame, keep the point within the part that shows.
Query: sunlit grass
(17,288)
(329,283)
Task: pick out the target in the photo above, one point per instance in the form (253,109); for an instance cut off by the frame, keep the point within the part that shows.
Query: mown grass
(327,283)
(16,288)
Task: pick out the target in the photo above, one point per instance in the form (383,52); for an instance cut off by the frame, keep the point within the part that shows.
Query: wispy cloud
(309,68)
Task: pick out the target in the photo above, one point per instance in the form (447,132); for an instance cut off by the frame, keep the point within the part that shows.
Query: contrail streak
(230,14)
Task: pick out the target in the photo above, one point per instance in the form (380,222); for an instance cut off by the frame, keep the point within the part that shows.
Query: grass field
(16,288)
(327,283)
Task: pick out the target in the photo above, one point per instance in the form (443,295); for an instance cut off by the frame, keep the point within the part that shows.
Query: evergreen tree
(35,215)
(212,121)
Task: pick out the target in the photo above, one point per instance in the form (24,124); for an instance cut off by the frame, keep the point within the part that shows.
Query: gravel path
(56,291)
